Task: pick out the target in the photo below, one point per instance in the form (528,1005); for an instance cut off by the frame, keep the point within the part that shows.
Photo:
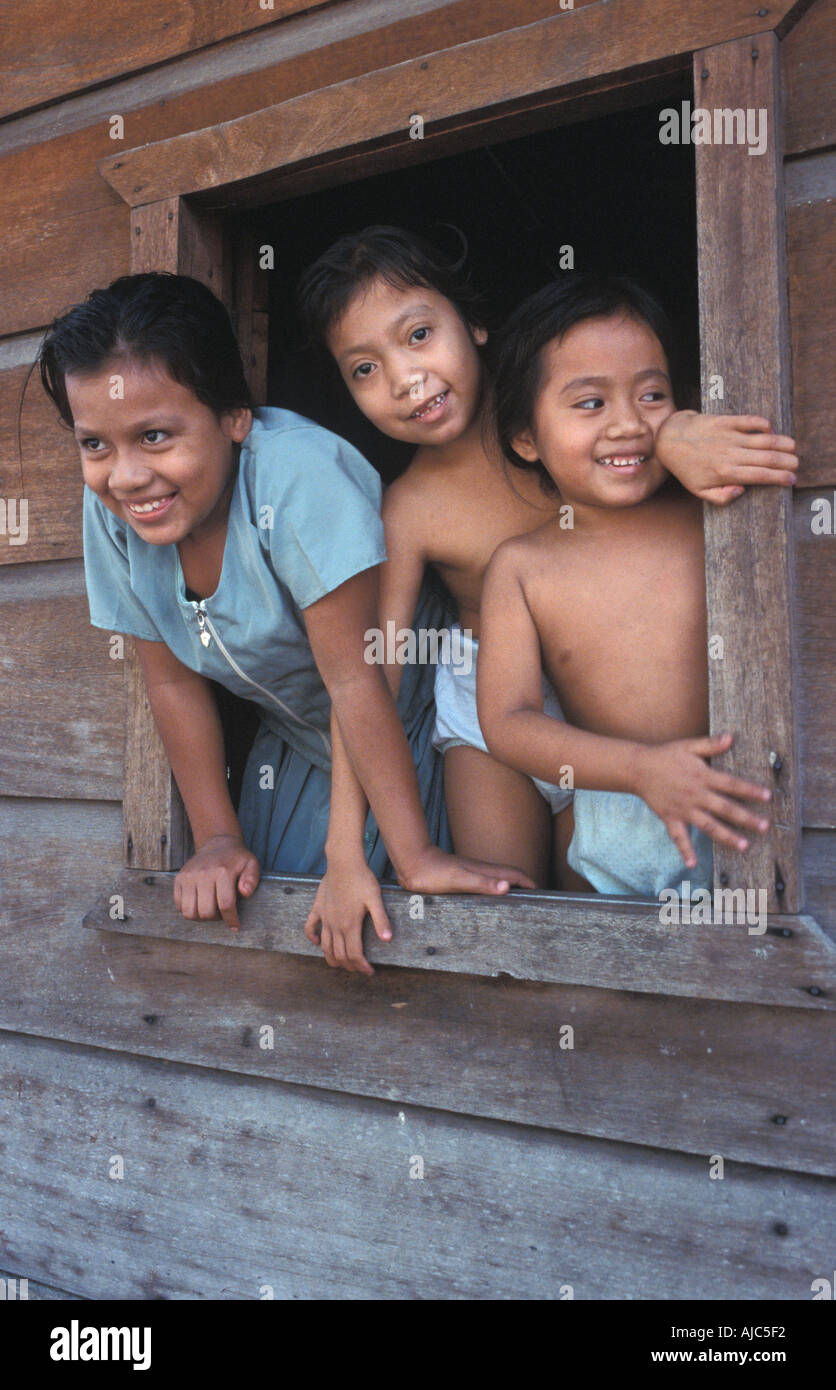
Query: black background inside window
(606,187)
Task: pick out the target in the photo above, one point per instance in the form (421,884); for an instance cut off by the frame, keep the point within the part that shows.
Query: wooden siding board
(41,464)
(809,69)
(80,45)
(571,49)
(232,1183)
(816,616)
(812,266)
(820,877)
(62,696)
(555,939)
(749,561)
(48,264)
(695,1075)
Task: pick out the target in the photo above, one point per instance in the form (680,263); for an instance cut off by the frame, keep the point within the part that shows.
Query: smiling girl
(243,547)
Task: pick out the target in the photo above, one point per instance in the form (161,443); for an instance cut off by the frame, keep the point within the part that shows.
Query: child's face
(410,362)
(157,444)
(605,393)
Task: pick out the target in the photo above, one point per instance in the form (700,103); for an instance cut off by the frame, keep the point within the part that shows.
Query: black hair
(171,319)
(399,257)
(545,317)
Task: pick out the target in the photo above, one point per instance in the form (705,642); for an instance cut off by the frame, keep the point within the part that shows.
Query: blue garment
(304,517)
(620,846)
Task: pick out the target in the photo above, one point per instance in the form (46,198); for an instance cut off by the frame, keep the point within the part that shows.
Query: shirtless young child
(614,607)
(407,336)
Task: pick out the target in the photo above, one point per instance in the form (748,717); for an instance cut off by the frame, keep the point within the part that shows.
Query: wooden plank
(687,1074)
(819,848)
(252,302)
(51,259)
(62,696)
(164,236)
(48,267)
(748,547)
(573,48)
(815,583)
(592,940)
(254,1183)
(810,179)
(39,463)
(75,49)
(812,261)
(809,69)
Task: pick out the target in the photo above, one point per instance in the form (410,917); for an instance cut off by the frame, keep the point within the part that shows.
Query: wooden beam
(647,1069)
(164,236)
(548,937)
(744,329)
(571,50)
(233,1183)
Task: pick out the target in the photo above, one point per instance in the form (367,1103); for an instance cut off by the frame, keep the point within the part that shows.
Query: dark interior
(624,202)
(606,187)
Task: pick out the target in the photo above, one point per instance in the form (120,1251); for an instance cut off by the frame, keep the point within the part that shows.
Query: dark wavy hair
(399,257)
(155,317)
(547,316)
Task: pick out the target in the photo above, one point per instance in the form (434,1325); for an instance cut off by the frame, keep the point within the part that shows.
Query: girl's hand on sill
(678,784)
(434,871)
(718,456)
(347,892)
(208,884)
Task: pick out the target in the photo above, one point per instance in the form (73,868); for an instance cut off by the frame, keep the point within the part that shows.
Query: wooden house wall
(289,1166)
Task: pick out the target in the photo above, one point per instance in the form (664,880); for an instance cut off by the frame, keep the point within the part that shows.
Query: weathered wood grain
(547,937)
(809,68)
(575,47)
(819,847)
(64,230)
(79,45)
(39,462)
(812,263)
(62,695)
(694,1075)
(232,1184)
(815,585)
(748,548)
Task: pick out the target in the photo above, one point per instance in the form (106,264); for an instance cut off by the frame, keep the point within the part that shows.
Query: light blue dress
(304,517)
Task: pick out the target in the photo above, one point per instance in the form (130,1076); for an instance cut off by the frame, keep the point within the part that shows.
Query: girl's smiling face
(605,392)
(410,362)
(155,455)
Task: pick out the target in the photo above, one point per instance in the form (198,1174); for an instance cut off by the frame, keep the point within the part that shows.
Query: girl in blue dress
(243,547)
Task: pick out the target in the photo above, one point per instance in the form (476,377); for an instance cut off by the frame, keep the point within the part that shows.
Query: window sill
(554,938)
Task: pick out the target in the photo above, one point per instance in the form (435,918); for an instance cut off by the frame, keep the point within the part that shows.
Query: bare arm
(187,717)
(672,778)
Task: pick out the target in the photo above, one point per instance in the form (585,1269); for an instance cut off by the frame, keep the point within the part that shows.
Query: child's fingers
(710,746)
(723,834)
(766,477)
(720,496)
(726,782)
(678,832)
(207,902)
(747,422)
(722,808)
(249,878)
(312,926)
(380,919)
(226,892)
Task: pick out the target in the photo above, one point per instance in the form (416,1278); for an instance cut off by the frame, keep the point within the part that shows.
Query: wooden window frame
(183,192)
